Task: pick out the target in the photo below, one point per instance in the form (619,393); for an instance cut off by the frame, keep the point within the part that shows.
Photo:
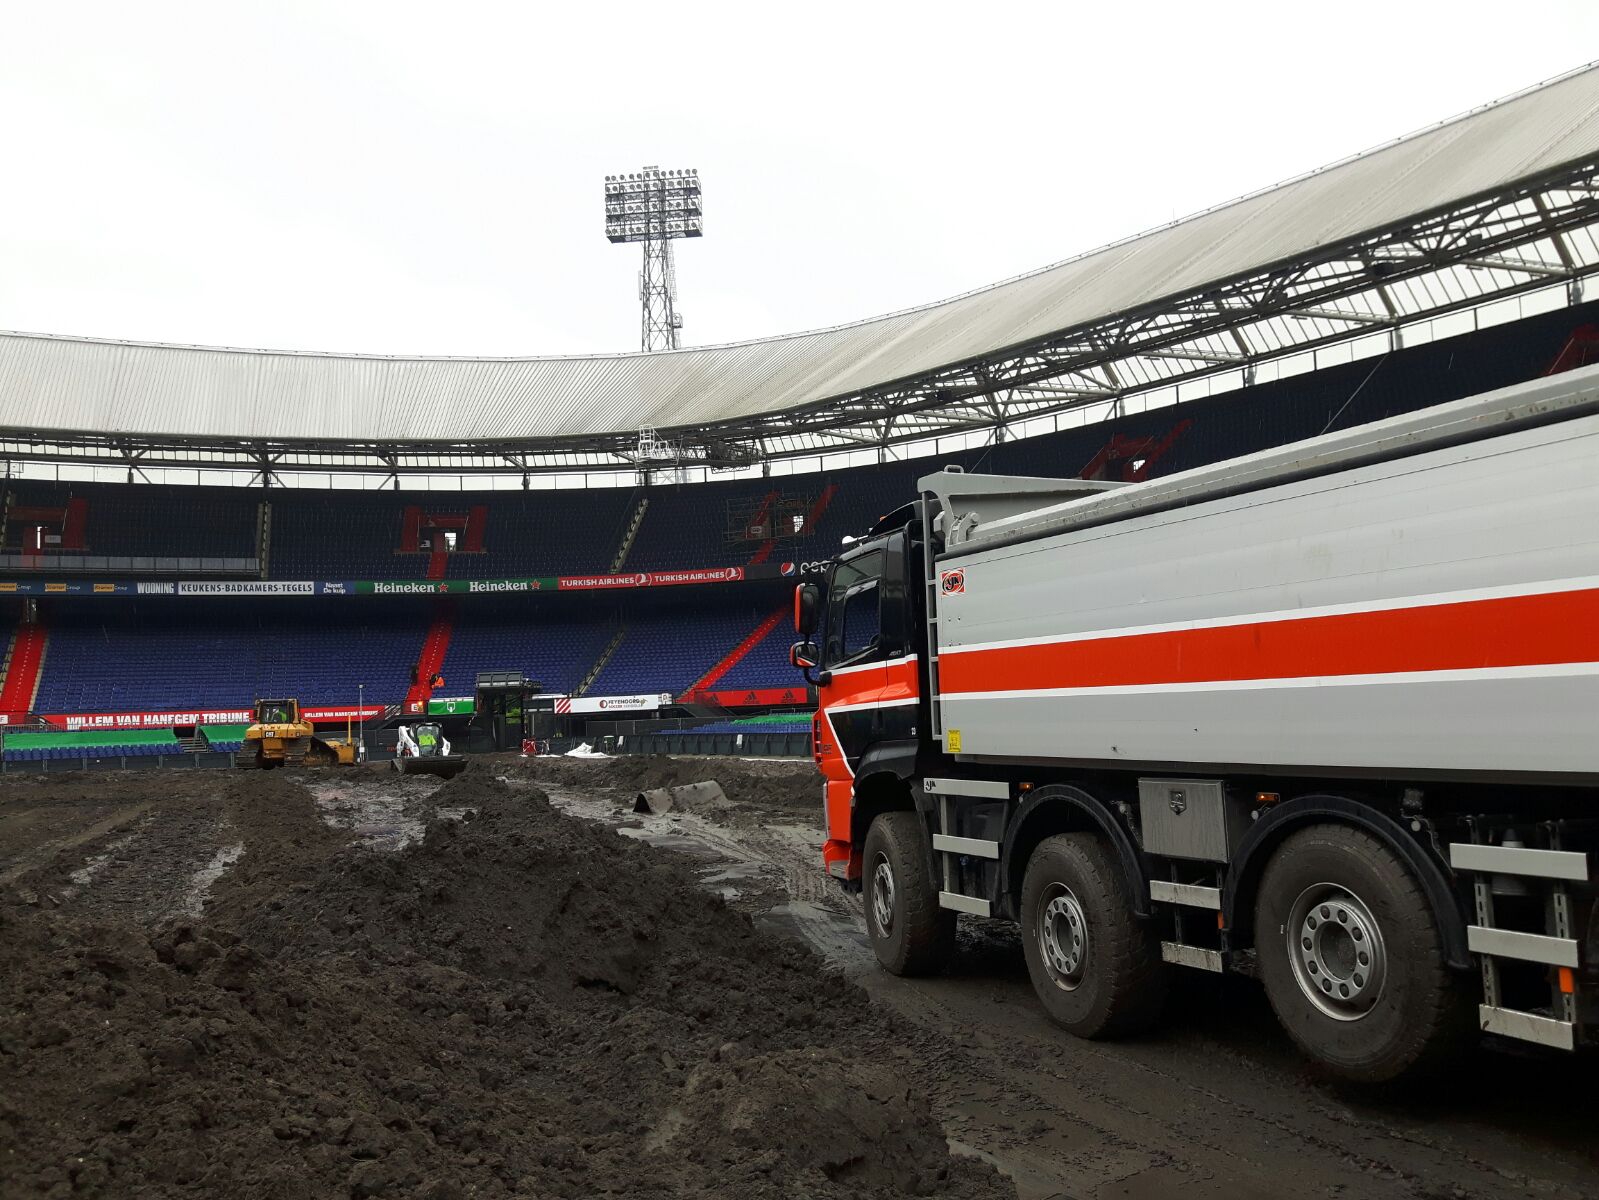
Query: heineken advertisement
(434,587)
(571,583)
(402,587)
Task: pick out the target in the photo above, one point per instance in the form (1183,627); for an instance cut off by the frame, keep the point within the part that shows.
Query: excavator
(424,750)
(280,736)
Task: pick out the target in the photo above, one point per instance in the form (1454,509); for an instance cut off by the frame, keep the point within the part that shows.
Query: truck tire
(1350,955)
(910,933)
(1095,966)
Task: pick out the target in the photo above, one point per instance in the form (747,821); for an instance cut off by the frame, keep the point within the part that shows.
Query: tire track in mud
(516,1003)
(22,857)
(1215,1104)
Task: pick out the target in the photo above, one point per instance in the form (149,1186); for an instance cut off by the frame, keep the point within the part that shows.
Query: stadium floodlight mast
(655,207)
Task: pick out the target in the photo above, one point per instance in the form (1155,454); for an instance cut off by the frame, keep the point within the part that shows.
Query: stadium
(219,558)
(678,491)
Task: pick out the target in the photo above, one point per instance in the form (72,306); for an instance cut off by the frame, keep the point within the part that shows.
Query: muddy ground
(349,984)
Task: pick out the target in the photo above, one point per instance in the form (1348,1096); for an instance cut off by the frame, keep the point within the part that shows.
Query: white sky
(427,178)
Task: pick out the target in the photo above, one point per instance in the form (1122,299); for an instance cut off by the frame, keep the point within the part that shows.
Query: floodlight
(655,207)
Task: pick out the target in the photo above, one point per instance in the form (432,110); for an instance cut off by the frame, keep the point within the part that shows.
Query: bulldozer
(424,750)
(280,736)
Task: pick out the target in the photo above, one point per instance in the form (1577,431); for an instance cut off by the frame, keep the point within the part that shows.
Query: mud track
(350,984)
(1216,1103)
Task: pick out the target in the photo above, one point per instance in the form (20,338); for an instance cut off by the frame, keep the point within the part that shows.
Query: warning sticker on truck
(953,583)
(952,741)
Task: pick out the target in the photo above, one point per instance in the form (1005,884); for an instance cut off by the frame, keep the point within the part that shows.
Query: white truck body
(1418,596)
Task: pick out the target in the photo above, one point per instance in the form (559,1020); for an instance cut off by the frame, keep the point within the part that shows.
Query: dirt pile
(857,1123)
(517,1004)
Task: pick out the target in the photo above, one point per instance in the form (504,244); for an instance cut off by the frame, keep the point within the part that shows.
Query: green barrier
(91,737)
(223,733)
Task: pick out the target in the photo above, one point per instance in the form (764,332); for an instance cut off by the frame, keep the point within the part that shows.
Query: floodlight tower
(655,207)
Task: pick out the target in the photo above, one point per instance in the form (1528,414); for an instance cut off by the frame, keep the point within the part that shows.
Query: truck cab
(869,675)
(277,712)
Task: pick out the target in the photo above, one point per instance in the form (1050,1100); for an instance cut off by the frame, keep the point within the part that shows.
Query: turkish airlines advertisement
(652,578)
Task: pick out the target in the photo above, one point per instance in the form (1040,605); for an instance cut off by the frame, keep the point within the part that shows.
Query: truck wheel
(910,933)
(1095,966)
(1349,952)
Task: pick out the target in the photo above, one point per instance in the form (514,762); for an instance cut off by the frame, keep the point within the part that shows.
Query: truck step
(1192,956)
(974,847)
(1550,871)
(965,904)
(949,847)
(1519,860)
(1527,1027)
(1191,894)
(1529,947)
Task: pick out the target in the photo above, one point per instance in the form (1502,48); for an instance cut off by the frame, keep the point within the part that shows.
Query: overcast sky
(410,178)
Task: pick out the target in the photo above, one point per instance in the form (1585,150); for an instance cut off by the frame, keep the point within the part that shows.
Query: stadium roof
(1502,199)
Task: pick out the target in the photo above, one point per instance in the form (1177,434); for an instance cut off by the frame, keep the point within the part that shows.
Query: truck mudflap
(1513,957)
(841,860)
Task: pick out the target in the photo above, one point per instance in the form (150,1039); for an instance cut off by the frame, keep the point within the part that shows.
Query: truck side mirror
(804,655)
(807,596)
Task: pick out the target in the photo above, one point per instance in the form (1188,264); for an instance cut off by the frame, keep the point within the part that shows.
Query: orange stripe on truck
(1509,631)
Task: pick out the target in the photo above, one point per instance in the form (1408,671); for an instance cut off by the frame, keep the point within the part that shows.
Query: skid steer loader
(280,736)
(424,750)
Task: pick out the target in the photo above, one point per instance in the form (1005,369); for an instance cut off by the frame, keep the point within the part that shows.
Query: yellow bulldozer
(281,737)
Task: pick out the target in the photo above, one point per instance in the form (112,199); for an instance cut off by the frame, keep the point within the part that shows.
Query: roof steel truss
(1525,236)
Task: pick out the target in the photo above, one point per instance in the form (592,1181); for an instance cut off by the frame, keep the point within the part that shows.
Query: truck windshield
(853,617)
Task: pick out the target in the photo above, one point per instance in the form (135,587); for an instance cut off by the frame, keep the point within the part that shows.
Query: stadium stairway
(431,661)
(630,533)
(601,662)
(23,665)
(766,665)
(730,660)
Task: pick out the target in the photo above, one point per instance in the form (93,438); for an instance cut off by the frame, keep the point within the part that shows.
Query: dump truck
(423,749)
(280,736)
(1326,715)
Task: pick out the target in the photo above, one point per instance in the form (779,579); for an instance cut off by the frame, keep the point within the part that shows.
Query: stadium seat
(178,653)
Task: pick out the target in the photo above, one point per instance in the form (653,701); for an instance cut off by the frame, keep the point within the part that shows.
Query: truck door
(852,693)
